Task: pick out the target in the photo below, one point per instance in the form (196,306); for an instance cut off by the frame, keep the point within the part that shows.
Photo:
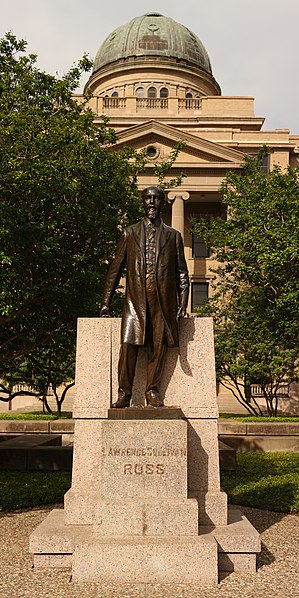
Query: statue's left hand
(181,312)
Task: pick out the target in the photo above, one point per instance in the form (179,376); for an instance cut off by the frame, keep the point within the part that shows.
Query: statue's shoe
(153,399)
(123,400)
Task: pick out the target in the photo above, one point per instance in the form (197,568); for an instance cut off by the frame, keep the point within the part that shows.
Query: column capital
(180,194)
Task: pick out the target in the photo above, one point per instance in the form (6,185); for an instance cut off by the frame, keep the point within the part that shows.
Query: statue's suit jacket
(172,281)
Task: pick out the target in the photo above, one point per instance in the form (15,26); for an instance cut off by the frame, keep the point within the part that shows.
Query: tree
(43,371)
(65,194)
(256,300)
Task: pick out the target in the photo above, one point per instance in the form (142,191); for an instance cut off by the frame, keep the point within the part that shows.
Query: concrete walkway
(277,575)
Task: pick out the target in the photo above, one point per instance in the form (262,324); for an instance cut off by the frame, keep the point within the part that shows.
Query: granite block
(239,562)
(50,458)
(228,457)
(238,536)
(62,426)
(145,459)
(139,517)
(262,444)
(193,381)
(79,506)
(212,508)
(87,451)
(182,560)
(52,561)
(24,427)
(52,536)
(273,429)
(93,368)
(203,456)
(189,374)
(146,413)
(231,427)
(30,440)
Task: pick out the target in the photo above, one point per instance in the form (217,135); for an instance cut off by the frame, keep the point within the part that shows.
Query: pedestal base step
(55,544)
(147,560)
(146,517)
(140,412)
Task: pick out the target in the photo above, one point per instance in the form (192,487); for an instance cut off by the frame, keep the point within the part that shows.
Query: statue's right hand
(105,313)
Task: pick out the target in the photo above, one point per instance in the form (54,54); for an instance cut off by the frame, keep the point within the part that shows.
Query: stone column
(177,217)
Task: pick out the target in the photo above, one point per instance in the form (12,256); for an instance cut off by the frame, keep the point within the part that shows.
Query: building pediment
(197,151)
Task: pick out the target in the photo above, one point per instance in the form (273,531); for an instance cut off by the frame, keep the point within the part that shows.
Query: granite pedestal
(145,503)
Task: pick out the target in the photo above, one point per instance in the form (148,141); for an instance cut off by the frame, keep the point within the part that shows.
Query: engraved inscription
(144,461)
(149,451)
(143,469)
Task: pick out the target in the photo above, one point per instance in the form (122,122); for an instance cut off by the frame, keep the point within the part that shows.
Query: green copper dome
(153,35)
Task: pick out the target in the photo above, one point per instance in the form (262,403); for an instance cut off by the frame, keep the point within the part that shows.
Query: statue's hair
(160,192)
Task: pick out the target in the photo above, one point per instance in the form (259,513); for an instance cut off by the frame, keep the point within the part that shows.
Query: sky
(252,44)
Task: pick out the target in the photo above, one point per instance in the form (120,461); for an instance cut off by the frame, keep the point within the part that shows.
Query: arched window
(189,95)
(163,92)
(114,94)
(139,92)
(151,92)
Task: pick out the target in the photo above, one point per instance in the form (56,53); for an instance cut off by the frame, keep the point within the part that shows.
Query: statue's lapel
(162,238)
(139,235)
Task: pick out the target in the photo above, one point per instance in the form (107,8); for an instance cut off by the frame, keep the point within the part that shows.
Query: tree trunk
(46,405)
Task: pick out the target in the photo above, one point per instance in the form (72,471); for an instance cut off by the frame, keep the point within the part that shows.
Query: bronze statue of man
(156,296)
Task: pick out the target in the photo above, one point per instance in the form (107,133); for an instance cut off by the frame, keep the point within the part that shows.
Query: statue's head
(152,199)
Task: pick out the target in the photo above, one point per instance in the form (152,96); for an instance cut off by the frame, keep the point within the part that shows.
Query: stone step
(228,458)
(54,544)
(33,452)
(31,440)
(160,560)
(150,517)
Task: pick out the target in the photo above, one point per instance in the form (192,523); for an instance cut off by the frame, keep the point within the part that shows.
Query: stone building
(153,78)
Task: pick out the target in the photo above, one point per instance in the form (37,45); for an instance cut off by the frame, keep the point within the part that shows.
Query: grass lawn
(254,418)
(265,481)
(35,415)
(22,489)
(262,480)
(68,415)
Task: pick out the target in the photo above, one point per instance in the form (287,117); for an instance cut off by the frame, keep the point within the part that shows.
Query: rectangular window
(265,164)
(199,248)
(200,294)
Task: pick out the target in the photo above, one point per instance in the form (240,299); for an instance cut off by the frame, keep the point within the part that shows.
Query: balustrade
(109,103)
(189,103)
(183,104)
(149,103)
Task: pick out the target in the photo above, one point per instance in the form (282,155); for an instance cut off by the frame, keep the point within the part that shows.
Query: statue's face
(152,199)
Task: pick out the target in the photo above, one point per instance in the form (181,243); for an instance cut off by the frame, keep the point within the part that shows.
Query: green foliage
(35,416)
(256,301)
(162,169)
(63,198)
(20,490)
(265,481)
(256,418)
(262,480)
(65,195)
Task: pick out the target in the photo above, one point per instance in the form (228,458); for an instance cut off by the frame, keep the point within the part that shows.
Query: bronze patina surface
(156,296)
